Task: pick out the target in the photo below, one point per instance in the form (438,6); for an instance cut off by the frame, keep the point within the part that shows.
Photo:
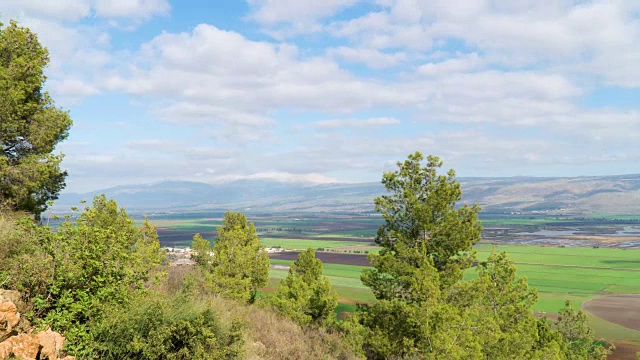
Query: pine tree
(30,125)
(237,265)
(424,310)
(305,295)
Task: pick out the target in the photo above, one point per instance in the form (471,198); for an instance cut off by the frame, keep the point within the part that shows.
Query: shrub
(68,276)
(157,326)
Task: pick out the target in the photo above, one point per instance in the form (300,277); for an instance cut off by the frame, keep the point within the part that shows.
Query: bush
(275,337)
(305,295)
(68,276)
(160,327)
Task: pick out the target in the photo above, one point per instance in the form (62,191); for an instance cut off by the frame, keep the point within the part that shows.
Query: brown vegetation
(272,336)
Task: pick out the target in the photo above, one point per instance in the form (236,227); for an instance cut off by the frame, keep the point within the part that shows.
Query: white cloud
(95,159)
(154,145)
(461,63)
(585,38)
(359,123)
(73,89)
(75,10)
(274,11)
(228,80)
(190,152)
(67,10)
(196,113)
(131,8)
(312,178)
(495,87)
(379,30)
(372,58)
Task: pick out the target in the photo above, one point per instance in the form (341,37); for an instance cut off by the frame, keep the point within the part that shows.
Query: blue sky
(338,90)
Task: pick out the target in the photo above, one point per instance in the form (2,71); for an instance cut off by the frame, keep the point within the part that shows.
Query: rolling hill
(572,195)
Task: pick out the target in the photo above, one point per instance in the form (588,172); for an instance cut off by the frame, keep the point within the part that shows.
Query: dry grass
(267,334)
(271,336)
(7,243)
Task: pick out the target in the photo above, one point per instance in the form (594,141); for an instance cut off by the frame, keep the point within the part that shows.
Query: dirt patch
(172,237)
(327,238)
(623,309)
(624,351)
(326,257)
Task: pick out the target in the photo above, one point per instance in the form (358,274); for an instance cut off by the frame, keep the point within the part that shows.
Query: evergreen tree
(579,342)
(305,295)
(30,125)
(237,265)
(424,310)
(421,221)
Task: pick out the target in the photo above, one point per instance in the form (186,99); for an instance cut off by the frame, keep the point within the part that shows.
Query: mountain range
(618,194)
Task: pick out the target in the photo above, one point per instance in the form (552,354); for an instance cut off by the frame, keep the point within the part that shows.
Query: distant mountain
(258,195)
(618,194)
(573,195)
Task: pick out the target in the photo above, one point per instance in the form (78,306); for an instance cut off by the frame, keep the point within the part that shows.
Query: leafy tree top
(422,225)
(30,124)
(237,265)
(305,295)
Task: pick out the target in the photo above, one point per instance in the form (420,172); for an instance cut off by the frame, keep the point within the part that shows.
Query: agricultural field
(617,231)
(595,279)
(576,274)
(594,262)
(301,244)
(352,230)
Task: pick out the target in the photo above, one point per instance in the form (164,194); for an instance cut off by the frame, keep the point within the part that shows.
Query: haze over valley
(593,195)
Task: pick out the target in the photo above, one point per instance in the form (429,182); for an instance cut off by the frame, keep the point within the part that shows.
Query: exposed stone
(23,346)
(16,338)
(9,296)
(51,343)
(9,319)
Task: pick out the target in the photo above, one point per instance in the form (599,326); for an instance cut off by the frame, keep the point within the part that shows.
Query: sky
(339,90)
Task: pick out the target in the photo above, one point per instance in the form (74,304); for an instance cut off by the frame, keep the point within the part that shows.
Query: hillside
(572,195)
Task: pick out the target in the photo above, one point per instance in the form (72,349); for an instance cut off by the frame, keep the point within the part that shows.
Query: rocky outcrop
(18,341)
(22,346)
(9,296)
(51,343)
(9,319)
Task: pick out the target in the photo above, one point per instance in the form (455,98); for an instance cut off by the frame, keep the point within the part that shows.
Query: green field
(518,221)
(578,274)
(305,243)
(559,274)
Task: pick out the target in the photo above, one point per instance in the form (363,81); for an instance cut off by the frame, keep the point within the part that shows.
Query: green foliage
(353,333)
(424,310)
(305,295)
(158,326)
(68,276)
(148,251)
(421,221)
(579,340)
(507,302)
(202,253)
(237,265)
(30,125)
(487,318)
